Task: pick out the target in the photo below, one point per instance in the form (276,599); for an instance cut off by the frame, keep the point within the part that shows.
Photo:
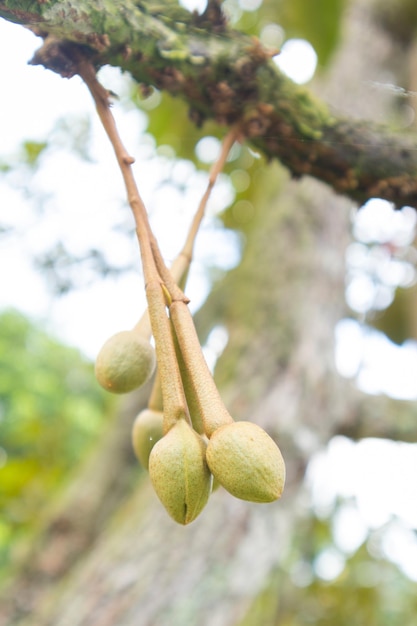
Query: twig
(175,405)
(217,167)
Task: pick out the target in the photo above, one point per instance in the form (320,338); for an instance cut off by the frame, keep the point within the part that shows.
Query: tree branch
(368,418)
(227,76)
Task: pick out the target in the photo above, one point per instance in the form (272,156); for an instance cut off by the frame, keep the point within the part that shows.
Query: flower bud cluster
(186,452)
(186,437)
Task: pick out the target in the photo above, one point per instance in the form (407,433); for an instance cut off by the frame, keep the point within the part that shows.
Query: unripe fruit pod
(147,430)
(125,362)
(179,472)
(247,462)
(215,486)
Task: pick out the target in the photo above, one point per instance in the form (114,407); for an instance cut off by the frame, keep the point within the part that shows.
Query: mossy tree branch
(227,76)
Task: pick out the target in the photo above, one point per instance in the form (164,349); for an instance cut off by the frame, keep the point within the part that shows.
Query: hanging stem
(217,167)
(179,269)
(183,260)
(152,260)
(175,405)
(173,396)
(201,387)
(199,379)
(181,263)
(155,401)
(161,289)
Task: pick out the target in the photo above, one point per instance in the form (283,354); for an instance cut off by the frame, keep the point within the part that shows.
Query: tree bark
(228,76)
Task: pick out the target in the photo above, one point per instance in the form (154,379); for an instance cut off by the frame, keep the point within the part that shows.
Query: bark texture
(226,75)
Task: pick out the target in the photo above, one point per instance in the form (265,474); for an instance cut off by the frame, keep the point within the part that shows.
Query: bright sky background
(370,471)
(87,199)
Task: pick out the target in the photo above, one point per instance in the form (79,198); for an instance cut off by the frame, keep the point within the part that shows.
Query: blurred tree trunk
(110,555)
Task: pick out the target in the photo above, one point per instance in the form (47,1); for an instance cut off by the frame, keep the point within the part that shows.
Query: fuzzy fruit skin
(125,362)
(246,462)
(147,431)
(179,472)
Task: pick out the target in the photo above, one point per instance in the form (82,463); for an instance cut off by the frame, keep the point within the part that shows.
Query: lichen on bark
(226,75)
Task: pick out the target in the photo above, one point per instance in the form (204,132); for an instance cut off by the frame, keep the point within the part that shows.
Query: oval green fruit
(125,362)
(147,430)
(179,472)
(247,462)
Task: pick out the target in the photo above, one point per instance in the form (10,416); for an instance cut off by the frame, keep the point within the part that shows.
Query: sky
(83,209)
(82,201)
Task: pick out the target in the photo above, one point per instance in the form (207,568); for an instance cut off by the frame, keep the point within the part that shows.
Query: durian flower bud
(125,362)
(179,472)
(147,430)
(247,462)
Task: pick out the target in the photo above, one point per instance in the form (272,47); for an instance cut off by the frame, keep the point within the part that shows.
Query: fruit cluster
(186,436)
(184,451)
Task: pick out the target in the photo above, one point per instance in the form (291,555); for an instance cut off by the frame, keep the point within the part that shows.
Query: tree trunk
(136,567)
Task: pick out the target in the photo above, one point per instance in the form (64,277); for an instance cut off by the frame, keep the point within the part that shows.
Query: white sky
(30,101)
(87,199)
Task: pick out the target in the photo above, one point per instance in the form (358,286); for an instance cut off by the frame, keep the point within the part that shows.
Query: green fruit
(147,430)
(125,362)
(215,486)
(247,462)
(179,472)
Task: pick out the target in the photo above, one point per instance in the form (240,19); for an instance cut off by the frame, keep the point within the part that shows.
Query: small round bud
(125,362)
(179,472)
(147,430)
(247,462)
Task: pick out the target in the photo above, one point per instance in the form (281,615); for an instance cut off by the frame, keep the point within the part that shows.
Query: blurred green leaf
(32,151)
(51,408)
(398,321)
(181,136)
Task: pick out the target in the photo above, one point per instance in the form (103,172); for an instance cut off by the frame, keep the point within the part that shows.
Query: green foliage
(181,138)
(369,587)
(161,127)
(51,408)
(32,151)
(398,321)
(319,22)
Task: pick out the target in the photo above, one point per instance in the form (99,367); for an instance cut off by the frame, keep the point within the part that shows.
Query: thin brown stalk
(216,169)
(175,406)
